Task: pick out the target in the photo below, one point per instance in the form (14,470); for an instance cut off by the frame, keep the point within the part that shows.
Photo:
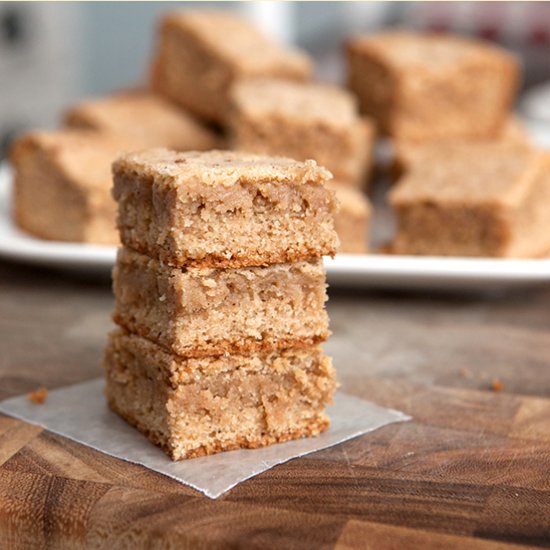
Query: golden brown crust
(249,260)
(218,168)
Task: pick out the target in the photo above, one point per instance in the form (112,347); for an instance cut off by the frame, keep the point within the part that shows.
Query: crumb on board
(38,396)
(497,385)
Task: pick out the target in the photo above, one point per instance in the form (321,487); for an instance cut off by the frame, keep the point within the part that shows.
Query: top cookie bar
(201,54)
(223,208)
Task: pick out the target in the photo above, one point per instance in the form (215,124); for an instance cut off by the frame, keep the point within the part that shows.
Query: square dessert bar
(223,208)
(198,406)
(63,185)
(198,311)
(144,116)
(405,152)
(475,200)
(201,54)
(302,121)
(427,86)
(352,220)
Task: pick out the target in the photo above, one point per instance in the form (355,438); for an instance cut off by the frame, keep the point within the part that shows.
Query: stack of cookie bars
(220,293)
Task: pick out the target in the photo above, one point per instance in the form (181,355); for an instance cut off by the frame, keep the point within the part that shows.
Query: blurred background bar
(54,53)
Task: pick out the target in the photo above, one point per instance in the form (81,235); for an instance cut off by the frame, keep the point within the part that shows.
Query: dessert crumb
(497,385)
(39,396)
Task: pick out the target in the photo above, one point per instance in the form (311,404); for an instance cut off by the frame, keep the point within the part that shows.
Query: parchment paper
(80,413)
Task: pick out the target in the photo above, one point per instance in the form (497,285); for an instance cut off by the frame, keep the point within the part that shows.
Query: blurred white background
(54,53)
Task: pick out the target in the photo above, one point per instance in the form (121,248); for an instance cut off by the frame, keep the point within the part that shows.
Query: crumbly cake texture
(194,407)
(475,200)
(302,121)
(428,86)
(408,152)
(200,55)
(197,311)
(144,116)
(223,208)
(353,218)
(63,182)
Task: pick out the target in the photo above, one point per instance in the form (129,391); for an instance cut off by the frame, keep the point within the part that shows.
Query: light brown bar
(303,121)
(475,200)
(144,116)
(201,54)
(352,219)
(63,185)
(203,311)
(194,407)
(223,208)
(405,153)
(429,86)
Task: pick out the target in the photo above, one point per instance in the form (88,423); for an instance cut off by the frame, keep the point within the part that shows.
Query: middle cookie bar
(223,208)
(199,311)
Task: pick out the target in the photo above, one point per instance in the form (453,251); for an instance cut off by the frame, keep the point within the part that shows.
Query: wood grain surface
(472,470)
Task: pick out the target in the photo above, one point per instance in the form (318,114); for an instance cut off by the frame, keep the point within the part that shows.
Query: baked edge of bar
(245,346)
(246,260)
(319,425)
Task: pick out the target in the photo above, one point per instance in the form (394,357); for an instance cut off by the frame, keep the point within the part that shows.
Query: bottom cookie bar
(198,406)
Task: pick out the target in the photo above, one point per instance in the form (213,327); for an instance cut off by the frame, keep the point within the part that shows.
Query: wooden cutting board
(470,471)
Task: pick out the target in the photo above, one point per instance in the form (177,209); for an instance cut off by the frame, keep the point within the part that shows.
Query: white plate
(345,270)
(17,245)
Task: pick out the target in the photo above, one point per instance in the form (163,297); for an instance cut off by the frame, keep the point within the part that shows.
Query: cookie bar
(429,86)
(143,116)
(63,185)
(475,200)
(223,208)
(198,406)
(198,311)
(352,219)
(407,152)
(201,54)
(302,121)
